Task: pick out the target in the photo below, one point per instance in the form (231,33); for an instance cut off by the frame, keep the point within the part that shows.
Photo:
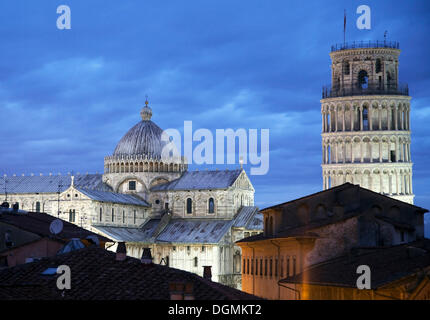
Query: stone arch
(129,177)
(158,180)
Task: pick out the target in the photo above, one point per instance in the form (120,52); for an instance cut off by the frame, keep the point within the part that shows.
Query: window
(76,195)
(393,155)
(288,266)
(123,216)
(113,214)
(101,214)
(256,267)
(294,266)
(37,206)
(363,79)
(134,216)
(265,267)
(132,185)
(211,205)
(203,248)
(189,206)
(252,266)
(72,215)
(261,267)
(378,66)
(282,267)
(157,201)
(188,249)
(167,261)
(166,206)
(365,119)
(247,266)
(276,267)
(196,262)
(174,248)
(244,265)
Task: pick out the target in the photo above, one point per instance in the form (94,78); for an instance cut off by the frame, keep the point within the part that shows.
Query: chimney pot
(146,256)
(207,272)
(121,252)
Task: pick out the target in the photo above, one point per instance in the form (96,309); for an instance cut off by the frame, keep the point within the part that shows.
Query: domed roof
(143,139)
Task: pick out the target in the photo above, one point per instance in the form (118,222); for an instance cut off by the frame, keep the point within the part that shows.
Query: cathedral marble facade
(190,219)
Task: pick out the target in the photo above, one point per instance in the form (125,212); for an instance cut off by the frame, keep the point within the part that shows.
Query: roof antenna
(60,185)
(385,36)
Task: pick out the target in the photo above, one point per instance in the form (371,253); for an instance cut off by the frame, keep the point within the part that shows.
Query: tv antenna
(60,185)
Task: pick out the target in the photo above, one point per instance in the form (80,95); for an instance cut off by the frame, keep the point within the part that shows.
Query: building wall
(39,249)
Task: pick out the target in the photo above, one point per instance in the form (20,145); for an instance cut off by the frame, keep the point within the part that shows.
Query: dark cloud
(67,97)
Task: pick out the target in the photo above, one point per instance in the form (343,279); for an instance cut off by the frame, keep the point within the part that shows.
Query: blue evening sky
(68,96)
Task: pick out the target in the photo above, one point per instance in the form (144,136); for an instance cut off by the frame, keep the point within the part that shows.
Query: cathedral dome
(143,139)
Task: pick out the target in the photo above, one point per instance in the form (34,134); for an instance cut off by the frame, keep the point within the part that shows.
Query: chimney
(207,272)
(146,256)
(121,252)
(176,290)
(189,292)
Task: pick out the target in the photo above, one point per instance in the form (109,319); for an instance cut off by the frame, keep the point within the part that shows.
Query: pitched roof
(39,223)
(113,197)
(201,180)
(176,231)
(362,192)
(386,265)
(194,231)
(50,184)
(96,275)
(125,234)
(249,218)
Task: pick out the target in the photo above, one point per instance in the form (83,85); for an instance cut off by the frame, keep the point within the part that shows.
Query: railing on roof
(333,92)
(365,44)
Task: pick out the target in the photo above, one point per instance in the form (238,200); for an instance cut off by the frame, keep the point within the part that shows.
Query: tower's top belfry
(365,68)
(366,120)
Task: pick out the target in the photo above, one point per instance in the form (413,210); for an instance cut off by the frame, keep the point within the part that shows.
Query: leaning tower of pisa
(365,121)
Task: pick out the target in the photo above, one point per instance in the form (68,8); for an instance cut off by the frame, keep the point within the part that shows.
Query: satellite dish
(56,226)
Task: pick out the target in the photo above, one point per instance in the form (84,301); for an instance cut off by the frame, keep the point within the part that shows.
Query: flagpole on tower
(344,27)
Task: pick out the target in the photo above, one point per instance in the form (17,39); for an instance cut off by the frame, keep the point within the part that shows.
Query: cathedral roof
(191,230)
(113,197)
(142,139)
(201,180)
(51,184)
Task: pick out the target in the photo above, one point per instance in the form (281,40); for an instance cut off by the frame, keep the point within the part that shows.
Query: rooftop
(39,223)
(365,44)
(201,180)
(386,264)
(96,275)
